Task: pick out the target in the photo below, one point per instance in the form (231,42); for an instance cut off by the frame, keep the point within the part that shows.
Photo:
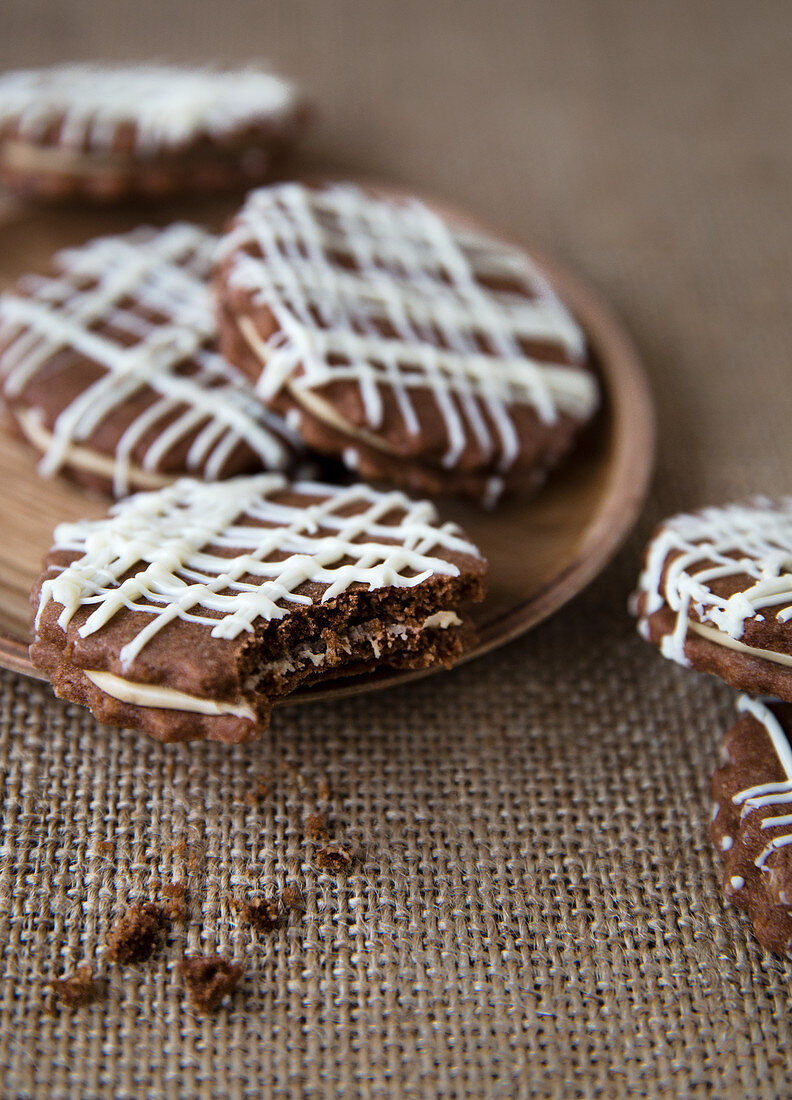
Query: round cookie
(187,612)
(419,351)
(715,594)
(752,826)
(108,132)
(109,368)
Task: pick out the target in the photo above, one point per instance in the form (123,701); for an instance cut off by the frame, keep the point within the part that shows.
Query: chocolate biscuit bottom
(760,664)
(226,689)
(57,174)
(324,430)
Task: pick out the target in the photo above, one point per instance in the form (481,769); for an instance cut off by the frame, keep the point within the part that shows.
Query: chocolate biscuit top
(83,106)
(236,554)
(114,352)
(724,570)
(424,335)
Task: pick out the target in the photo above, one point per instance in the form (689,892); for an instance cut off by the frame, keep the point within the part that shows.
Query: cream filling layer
(163,698)
(441,620)
(25,156)
(83,457)
(712,634)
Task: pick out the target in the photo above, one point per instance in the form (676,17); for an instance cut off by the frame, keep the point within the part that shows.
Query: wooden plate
(541,552)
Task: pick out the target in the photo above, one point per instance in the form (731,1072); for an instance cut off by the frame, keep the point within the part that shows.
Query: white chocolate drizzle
(769,794)
(138,306)
(268,549)
(386,294)
(752,540)
(169,106)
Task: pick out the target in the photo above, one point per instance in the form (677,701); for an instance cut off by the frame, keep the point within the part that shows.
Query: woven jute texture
(535,906)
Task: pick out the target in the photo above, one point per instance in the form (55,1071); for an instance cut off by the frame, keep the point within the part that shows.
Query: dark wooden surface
(542,551)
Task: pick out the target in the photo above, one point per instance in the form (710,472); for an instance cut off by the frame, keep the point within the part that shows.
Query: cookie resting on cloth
(419,351)
(109,367)
(109,131)
(752,827)
(715,594)
(187,612)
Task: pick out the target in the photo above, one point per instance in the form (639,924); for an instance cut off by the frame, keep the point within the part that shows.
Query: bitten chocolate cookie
(716,594)
(752,827)
(109,368)
(109,132)
(189,611)
(420,352)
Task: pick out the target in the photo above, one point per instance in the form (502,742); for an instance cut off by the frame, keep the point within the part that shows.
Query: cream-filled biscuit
(107,132)
(417,350)
(752,826)
(109,368)
(189,611)
(715,593)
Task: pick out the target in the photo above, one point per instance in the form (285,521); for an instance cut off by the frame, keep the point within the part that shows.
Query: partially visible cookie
(752,827)
(715,594)
(419,351)
(188,612)
(109,368)
(108,131)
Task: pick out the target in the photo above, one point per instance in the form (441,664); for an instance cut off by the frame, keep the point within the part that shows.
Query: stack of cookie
(334,328)
(110,132)
(716,595)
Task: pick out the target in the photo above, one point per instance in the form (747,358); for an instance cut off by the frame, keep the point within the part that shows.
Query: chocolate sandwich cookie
(752,827)
(716,594)
(187,612)
(108,132)
(419,351)
(109,367)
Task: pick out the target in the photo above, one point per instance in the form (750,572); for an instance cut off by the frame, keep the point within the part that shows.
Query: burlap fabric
(536,908)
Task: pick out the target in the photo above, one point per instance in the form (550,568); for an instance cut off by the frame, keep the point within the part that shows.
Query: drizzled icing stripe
(168,105)
(754,540)
(768,795)
(386,294)
(139,307)
(171,537)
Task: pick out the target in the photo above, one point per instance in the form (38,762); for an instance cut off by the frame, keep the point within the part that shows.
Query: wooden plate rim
(631,445)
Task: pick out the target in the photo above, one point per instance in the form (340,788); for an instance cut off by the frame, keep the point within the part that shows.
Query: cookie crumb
(316,827)
(334,858)
(209,978)
(138,934)
(259,792)
(81,988)
(323,790)
(262,914)
(105,847)
(175,907)
(291,898)
(192,856)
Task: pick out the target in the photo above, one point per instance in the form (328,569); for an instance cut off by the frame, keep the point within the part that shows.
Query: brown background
(536,909)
